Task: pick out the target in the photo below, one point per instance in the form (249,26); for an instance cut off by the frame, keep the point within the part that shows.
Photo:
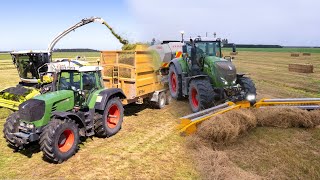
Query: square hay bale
(295,54)
(306,54)
(301,68)
(234,53)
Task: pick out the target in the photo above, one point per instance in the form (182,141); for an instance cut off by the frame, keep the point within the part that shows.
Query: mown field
(148,147)
(288,50)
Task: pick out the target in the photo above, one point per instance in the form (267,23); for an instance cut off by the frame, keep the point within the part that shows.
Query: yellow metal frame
(188,126)
(188,123)
(14,105)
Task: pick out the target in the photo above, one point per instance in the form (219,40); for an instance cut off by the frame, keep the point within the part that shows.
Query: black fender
(106,95)
(239,75)
(188,79)
(177,65)
(73,116)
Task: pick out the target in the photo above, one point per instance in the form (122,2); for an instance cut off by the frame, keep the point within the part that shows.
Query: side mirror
(184,49)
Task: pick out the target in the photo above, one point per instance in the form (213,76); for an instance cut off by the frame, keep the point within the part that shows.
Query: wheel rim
(173,82)
(66,140)
(113,116)
(194,98)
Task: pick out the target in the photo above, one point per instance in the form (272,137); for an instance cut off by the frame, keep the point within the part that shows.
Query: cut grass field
(288,50)
(148,147)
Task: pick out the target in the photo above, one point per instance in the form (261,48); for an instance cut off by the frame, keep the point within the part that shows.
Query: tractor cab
(201,53)
(82,80)
(29,63)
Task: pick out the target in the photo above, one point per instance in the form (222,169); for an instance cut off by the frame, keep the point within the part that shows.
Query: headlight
(224,81)
(251,97)
(30,126)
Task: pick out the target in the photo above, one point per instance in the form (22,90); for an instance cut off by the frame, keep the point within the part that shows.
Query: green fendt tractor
(207,78)
(79,107)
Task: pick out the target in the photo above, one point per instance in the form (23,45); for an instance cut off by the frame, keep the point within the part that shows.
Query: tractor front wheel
(11,126)
(248,87)
(112,118)
(59,140)
(201,94)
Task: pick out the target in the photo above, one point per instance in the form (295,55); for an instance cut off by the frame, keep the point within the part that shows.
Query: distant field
(300,50)
(6,56)
(148,147)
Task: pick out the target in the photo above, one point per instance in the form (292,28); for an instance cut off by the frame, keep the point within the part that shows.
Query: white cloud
(294,22)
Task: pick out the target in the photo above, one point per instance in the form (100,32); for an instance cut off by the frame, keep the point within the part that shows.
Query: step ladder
(115,77)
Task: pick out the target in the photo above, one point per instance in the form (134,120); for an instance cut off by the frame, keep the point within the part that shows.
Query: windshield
(69,80)
(28,64)
(209,48)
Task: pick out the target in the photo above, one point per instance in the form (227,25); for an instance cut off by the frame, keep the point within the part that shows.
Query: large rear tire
(175,83)
(59,140)
(11,126)
(248,87)
(201,94)
(111,120)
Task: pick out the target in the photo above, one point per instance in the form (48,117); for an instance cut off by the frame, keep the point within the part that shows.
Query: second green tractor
(206,78)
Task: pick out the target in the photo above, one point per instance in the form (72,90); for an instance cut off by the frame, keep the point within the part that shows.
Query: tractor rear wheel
(248,87)
(11,126)
(175,83)
(59,140)
(201,94)
(112,118)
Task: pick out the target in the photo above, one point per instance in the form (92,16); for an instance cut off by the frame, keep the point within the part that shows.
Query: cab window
(88,80)
(69,80)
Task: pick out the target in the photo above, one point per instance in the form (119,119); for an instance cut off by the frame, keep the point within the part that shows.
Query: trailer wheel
(168,98)
(201,94)
(59,140)
(112,118)
(161,100)
(175,83)
(11,126)
(248,87)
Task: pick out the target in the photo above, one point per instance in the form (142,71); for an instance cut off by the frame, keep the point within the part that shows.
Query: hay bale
(301,68)
(227,127)
(306,54)
(234,53)
(295,54)
(286,118)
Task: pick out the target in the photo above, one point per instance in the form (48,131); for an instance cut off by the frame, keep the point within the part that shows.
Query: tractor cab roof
(81,68)
(29,51)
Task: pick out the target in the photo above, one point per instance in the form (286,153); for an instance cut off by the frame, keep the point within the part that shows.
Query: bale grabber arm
(188,124)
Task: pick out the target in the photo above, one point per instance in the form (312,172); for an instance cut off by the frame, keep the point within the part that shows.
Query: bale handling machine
(188,124)
(213,85)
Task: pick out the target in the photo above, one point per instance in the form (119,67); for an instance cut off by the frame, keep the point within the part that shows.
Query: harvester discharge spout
(188,124)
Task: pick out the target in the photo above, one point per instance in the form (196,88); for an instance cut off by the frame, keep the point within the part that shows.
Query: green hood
(55,101)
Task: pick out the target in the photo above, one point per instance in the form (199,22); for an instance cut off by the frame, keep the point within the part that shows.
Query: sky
(32,24)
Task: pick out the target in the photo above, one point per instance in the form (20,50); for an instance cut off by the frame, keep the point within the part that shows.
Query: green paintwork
(62,101)
(183,64)
(213,73)
(209,68)
(92,98)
